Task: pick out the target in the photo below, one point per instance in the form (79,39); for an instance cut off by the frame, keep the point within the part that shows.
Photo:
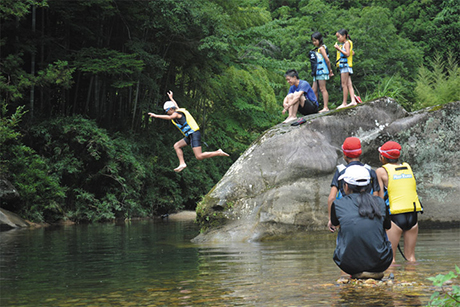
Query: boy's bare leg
(410,239)
(208,154)
(394,235)
(292,109)
(180,155)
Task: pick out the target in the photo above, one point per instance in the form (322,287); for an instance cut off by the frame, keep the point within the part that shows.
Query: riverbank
(10,220)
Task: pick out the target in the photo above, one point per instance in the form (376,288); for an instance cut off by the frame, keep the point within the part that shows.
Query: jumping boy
(184,121)
(398,189)
(351,149)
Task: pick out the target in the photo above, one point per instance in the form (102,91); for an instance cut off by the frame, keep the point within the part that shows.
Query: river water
(153,263)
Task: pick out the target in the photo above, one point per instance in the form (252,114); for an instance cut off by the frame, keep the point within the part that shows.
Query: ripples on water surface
(153,263)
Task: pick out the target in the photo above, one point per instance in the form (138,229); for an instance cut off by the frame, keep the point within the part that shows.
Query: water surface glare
(153,263)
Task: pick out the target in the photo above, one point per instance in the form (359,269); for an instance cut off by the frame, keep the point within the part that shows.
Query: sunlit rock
(9,220)
(279,186)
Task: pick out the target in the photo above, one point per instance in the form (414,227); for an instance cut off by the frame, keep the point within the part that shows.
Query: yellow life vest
(189,125)
(349,58)
(402,193)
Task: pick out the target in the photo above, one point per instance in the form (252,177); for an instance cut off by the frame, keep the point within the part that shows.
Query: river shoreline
(181,216)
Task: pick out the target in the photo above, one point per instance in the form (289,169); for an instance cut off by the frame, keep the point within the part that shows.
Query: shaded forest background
(78,78)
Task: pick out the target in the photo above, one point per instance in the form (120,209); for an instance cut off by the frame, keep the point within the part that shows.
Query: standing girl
(345,63)
(323,69)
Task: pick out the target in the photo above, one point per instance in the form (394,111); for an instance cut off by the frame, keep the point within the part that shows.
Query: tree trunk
(96,95)
(135,104)
(88,97)
(32,64)
(42,54)
(75,95)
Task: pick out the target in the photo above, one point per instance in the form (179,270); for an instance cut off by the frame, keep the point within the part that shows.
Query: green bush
(445,297)
(40,190)
(439,83)
(102,177)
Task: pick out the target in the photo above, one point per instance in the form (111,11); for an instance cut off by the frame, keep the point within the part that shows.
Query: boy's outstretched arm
(166,117)
(170,95)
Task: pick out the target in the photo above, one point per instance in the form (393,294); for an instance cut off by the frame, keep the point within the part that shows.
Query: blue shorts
(193,139)
(346,70)
(321,77)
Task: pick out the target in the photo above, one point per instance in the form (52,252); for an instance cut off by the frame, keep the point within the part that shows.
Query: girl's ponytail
(344,32)
(367,204)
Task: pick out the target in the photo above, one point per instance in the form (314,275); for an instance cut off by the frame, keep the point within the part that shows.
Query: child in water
(345,63)
(323,69)
(399,190)
(182,119)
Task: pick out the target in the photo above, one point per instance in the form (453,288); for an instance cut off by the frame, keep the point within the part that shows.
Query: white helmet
(169,105)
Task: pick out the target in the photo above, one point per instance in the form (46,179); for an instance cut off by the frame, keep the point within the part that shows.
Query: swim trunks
(309,107)
(405,221)
(194,139)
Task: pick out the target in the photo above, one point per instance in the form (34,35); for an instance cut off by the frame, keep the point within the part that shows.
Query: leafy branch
(444,297)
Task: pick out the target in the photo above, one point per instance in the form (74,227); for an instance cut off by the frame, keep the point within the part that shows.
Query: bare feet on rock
(289,119)
(353,103)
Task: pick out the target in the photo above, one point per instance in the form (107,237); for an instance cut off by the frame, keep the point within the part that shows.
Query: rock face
(7,190)
(9,220)
(279,186)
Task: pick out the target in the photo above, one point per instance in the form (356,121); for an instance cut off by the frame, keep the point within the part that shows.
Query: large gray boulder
(279,186)
(10,220)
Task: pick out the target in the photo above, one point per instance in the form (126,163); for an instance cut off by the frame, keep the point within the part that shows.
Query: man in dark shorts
(398,189)
(299,98)
(185,122)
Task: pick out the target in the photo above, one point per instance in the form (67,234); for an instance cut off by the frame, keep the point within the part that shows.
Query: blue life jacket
(321,67)
(318,63)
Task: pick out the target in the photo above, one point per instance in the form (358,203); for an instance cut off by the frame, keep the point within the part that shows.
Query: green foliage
(14,81)
(18,8)
(111,62)
(445,297)
(439,83)
(387,87)
(102,178)
(40,191)
(8,124)
(58,73)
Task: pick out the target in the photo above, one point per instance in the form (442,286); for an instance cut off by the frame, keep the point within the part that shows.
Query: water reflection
(151,263)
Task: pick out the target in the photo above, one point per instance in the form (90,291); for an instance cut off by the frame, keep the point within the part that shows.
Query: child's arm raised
(170,95)
(346,46)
